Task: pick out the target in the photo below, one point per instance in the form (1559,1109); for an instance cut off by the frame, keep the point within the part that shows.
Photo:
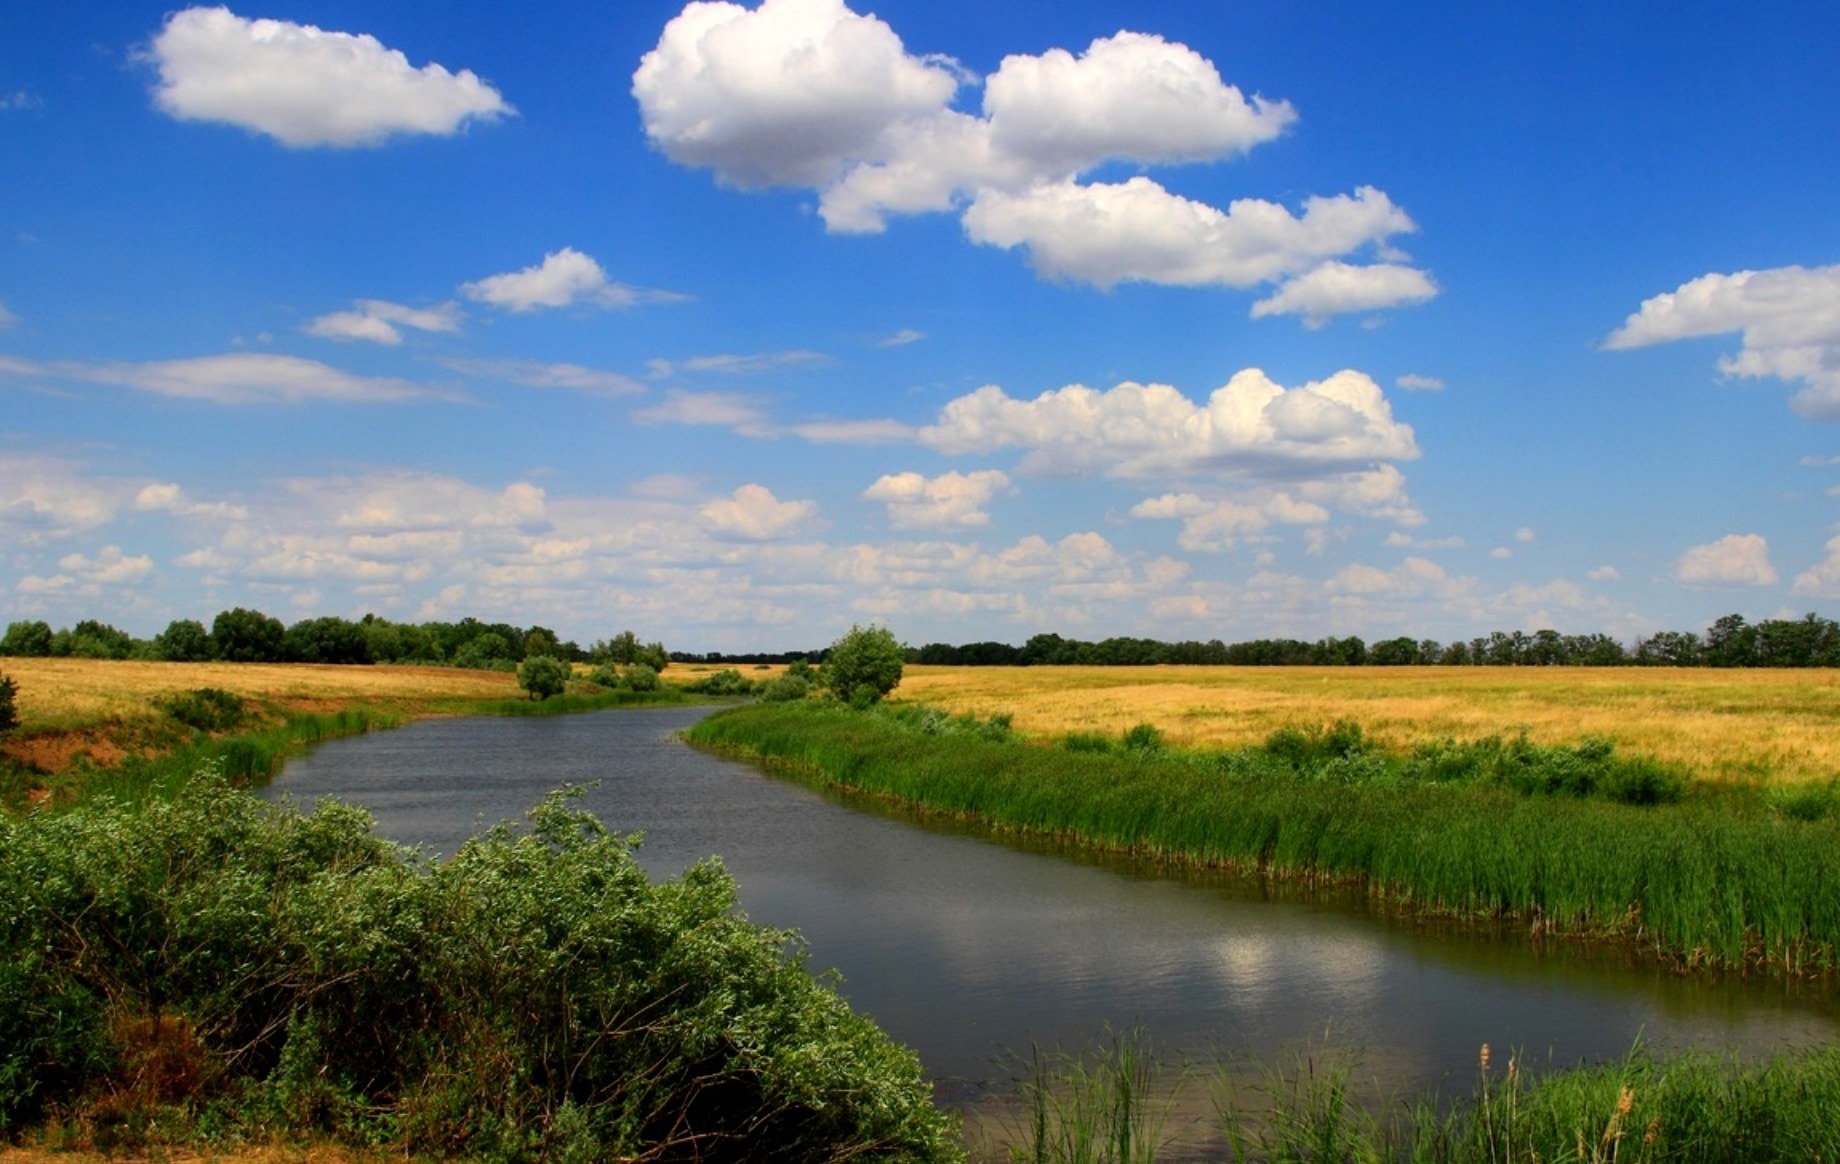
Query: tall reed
(1700,882)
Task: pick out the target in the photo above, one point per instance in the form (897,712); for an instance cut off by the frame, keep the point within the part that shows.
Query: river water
(972,951)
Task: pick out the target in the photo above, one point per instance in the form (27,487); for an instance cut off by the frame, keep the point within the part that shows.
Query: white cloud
(1379,493)
(946,501)
(110,567)
(235,378)
(1338,288)
(1212,525)
(1404,541)
(166,497)
(304,86)
(738,365)
(1413,382)
(45,499)
(808,93)
(786,94)
(1136,231)
(1822,580)
(1789,317)
(19,99)
(379,321)
(1501,553)
(1250,426)
(1733,560)
(1525,535)
(535,374)
(7,319)
(901,339)
(721,409)
(563,278)
(853,432)
(753,513)
(1605,574)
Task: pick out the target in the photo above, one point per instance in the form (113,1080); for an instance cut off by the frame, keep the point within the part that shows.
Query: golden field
(1749,725)
(1729,725)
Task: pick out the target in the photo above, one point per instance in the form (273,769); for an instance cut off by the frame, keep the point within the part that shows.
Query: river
(972,951)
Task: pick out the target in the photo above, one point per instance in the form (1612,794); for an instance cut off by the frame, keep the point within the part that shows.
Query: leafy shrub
(641,677)
(206,709)
(9,710)
(536,997)
(543,676)
(28,639)
(727,681)
(787,688)
(1143,738)
(864,665)
(1096,742)
(1307,747)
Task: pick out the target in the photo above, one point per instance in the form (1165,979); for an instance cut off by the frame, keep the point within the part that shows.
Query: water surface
(967,949)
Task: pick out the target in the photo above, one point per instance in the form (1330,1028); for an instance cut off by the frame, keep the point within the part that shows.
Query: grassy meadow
(1748,726)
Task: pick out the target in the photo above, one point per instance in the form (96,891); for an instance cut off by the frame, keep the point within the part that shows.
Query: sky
(736,324)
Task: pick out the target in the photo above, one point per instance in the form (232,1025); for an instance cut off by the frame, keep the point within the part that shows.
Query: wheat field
(1751,725)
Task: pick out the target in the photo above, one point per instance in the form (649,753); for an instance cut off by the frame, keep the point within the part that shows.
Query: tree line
(1731,641)
(242,635)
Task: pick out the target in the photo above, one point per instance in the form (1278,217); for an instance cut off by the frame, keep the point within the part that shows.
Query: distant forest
(242,635)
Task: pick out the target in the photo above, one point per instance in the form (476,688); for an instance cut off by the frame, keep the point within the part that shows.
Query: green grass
(1110,1106)
(1714,880)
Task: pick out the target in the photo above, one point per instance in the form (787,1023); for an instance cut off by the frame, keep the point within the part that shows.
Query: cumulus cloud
(1338,288)
(166,497)
(535,374)
(950,500)
(808,93)
(380,322)
(1822,580)
(1252,425)
(753,513)
(235,378)
(1733,560)
(1222,524)
(1789,318)
(304,86)
(1136,231)
(564,278)
(45,499)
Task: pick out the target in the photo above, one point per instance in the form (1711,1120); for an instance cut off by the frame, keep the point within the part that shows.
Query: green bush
(207,709)
(543,676)
(534,998)
(864,665)
(9,710)
(727,681)
(786,688)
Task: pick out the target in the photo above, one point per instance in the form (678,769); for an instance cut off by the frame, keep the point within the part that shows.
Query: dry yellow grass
(1767,725)
(77,694)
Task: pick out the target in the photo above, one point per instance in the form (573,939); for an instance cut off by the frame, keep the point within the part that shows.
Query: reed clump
(1559,840)
(1694,1108)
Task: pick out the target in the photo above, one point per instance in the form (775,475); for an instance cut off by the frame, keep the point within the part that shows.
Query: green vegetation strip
(1117,1104)
(1707,881)
(211,970)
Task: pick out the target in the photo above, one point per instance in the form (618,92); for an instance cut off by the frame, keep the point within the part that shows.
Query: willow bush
(209,964)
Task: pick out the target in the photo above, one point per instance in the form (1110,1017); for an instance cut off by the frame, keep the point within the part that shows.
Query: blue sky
(738,323)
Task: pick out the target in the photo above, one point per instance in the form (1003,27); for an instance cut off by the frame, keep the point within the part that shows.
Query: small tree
(543,676)
(863,665)
(9,713)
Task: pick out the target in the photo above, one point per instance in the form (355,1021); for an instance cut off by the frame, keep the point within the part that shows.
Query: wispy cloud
(236,378)
(536,374)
